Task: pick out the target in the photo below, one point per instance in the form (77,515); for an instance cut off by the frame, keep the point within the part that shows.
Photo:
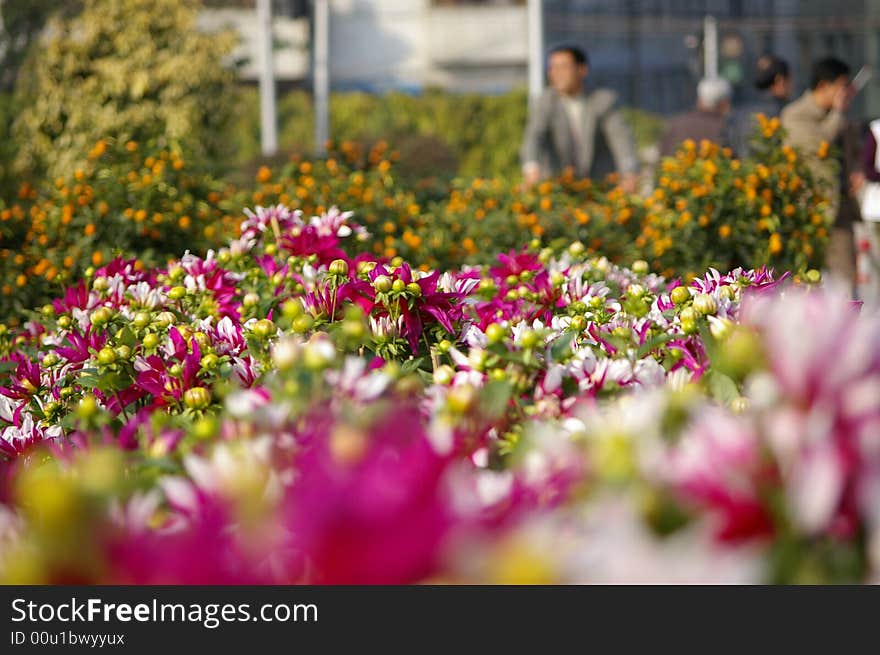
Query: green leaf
(562,346)
(127,337)
(111,382)
(721,387)
(494,398)
(87,381)
(411,365)
(653,343)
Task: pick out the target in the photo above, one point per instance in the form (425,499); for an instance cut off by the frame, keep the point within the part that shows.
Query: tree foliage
(135,69)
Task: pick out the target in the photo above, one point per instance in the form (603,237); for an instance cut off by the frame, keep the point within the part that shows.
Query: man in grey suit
(569,128)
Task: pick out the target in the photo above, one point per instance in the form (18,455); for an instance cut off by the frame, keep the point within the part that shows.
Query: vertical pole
(268,116)
(872,59)
(321,75)
(536,49)
(710,47)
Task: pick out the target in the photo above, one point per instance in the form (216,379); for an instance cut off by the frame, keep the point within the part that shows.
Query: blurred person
(867,188)
(707,121)
(773,79)
(571,128)
(812,123)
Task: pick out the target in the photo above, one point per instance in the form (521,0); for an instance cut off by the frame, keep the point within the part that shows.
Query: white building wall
(383,44)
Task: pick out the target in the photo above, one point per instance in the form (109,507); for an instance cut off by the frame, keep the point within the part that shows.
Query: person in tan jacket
(817,117)
(570,128)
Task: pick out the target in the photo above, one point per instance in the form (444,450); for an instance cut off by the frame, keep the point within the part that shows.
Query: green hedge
(437,132)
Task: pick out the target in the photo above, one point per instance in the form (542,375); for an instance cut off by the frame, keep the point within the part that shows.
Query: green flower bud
(596,302)
(462,398)
(545,255)
(141,319)
(353,328)
(721,328)
(680,295)
(150,340)
(106,356)
(176,293)
(443,375)
(175,272)
(205,428)
(498,374)
(291,309)
(338,267)
(495,333)
(50,360)
(382,283)
(101,316)
(264,328)
(302,323)
(688,326)
(640,267)
(203,340)
(87,408)
(529,339)
(164,319)
(705,304)
(197,398)
(414,290)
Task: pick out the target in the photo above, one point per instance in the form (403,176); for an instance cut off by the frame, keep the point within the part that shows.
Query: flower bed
(281,411)
(709,210)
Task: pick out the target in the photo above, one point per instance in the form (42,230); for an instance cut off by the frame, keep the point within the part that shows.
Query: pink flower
(718,466)
(368,507)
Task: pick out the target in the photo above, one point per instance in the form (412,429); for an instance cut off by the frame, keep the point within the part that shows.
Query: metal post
(321,75)
(710,47)
(268,114)
(536,49)
(872,58)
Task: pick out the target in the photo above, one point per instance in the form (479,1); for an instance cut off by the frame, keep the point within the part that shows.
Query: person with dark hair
(813,123)
(569,128)
(773,80)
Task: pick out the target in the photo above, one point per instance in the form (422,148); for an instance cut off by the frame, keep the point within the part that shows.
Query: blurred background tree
(20,25)
(137,69)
